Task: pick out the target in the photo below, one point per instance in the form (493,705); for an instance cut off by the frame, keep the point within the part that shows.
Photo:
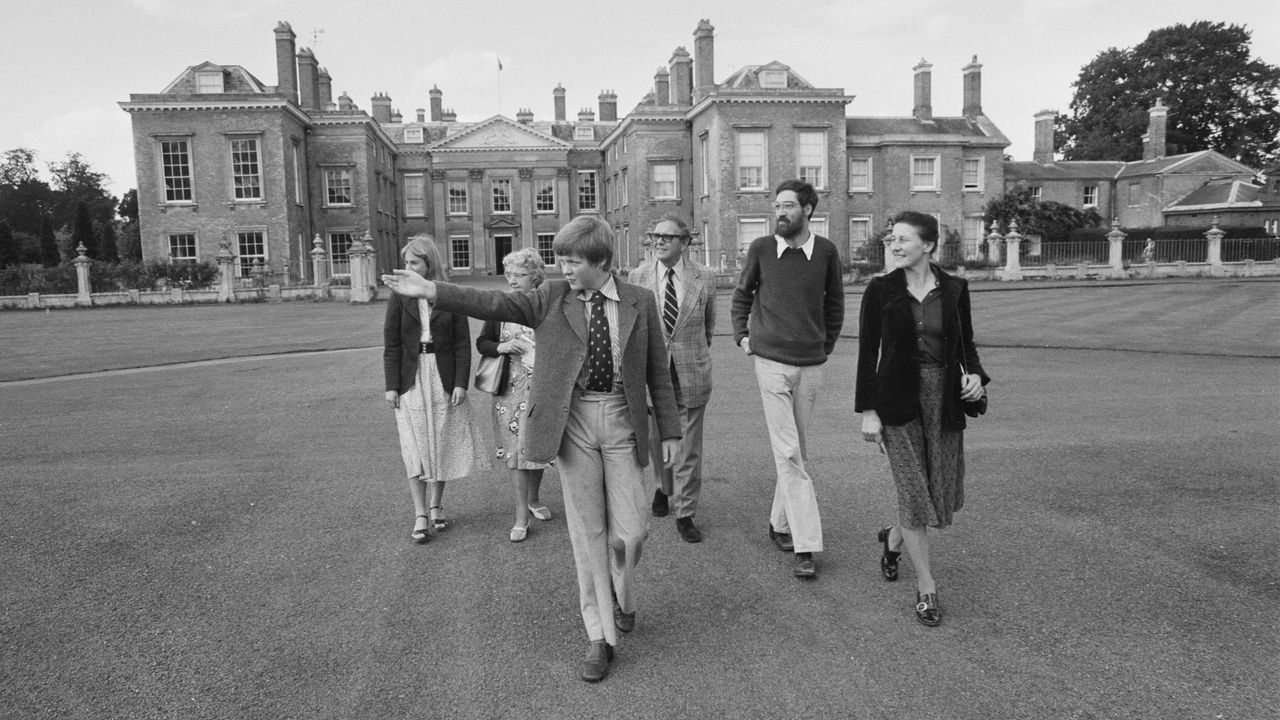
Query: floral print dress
(511,411)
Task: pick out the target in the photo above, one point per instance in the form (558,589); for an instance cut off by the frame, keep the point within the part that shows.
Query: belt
(426,348)
(590,396)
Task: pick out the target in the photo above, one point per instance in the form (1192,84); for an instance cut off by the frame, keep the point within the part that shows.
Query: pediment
(502,222)
(500,133)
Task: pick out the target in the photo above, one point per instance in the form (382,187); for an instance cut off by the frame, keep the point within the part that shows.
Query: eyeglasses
(512,275)
(788,206)
(664,239)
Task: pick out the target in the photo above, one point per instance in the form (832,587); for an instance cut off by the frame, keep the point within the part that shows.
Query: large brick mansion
(224,158)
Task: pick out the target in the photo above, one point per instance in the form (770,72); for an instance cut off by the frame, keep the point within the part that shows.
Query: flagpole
(499,85)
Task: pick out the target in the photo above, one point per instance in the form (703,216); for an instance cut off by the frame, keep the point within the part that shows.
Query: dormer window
(413,135)
(584,132)
(773,79)
(209,81)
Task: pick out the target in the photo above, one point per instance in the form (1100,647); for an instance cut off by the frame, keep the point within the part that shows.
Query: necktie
(599,349)
(670,308)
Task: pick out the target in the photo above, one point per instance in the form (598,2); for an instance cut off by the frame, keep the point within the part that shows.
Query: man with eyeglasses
(686,295)
(787,311)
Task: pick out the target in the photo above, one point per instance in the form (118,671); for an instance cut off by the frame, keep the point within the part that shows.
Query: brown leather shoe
(624,621)
(660,508)
(688,531)
(781,539)
(596,665)
(805,567)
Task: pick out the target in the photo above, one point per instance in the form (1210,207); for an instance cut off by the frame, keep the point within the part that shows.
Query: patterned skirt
(437,440)
(510,413)
(927,461)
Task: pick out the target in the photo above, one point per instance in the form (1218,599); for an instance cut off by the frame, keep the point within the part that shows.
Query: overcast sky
(68,62)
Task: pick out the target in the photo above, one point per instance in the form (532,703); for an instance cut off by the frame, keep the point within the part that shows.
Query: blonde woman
(427,367)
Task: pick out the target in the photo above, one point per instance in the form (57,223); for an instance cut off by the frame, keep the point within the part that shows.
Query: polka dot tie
(599,348)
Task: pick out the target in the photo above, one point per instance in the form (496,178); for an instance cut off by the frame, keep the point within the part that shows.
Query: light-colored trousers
(788,393)
(682,482)
(604,506)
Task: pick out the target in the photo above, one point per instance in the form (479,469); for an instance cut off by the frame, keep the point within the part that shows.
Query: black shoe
(888,559)
(624,621)
(805,567)
(596,665)
(781,539)
(660,508)
(688,531)
(927,610)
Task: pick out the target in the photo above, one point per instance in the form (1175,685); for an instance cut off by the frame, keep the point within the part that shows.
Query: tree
(1219,97)
(82,233)
(47,242)
(1050,220)
(24,197)
(75,182)
(105,232)
(9,254)
(128,207)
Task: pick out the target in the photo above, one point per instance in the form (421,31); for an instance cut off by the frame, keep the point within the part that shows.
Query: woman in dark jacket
(917,365)
(427,366)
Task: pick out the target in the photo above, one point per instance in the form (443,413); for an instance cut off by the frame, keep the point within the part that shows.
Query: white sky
(68,62)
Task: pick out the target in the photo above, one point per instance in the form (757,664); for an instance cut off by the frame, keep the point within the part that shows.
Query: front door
(502,246)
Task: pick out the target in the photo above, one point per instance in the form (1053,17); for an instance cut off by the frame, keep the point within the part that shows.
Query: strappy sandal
(437,518)
(520,532)
(888,558)
(420,535)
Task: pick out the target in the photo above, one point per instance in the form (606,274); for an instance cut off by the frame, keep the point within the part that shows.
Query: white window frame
(452,198)
(506,185)
(244,260)
(544,242)
(415,205)
(870,162)
(177,184)
(339,256)
(658,181)
(749,229)
(584,132)
(587,181)
(299,196)
(1089,190)
(761,183)
(805,165)
(626,194)
(245,157)
(773,79)
(336,179)
(209,82)
(1037,193)
(861,230)
(818,226)
(706,166)
(972,235)
(544,195)
(193,246)
(917,174)
(460,252)
(413,136)
(978,165)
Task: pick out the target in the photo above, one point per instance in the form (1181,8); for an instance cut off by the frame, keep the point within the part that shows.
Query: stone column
(562,195)
(1116,238)
(82,263)
(994,238)
(526,238)
(358,254)
(226,271)
(319,262)
(440,203)
(1215,235)
(370,265)
(1013,263)
(476,202)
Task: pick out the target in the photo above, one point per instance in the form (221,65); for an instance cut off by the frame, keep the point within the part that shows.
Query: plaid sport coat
(688,345)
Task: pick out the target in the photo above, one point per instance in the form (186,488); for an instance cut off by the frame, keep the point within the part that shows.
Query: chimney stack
(608,106)
(437,104)
(923,110)
(586,115)
(286,69)
(662,87)
(449,116)
(345,103)
(308,80)
(1043,152)
(381,108)
(524,116)
(973,89)
(704,58)
(681,77)
(1154,142)
(396,117)
(422,115)
(558,95)
(325,97)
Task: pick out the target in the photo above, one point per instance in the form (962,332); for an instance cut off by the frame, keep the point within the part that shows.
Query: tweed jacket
(401,335)
(888,360)
(556,313)
(689,342)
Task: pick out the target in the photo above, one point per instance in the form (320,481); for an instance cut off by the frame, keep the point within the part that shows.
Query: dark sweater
(791,307)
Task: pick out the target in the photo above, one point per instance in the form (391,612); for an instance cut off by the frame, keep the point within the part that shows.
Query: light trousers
(788,393)
(682,482)
(604,503)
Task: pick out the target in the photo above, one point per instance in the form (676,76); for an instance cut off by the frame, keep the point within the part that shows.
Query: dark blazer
(554,310)
(401,334)
(488,339)
(888,362)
